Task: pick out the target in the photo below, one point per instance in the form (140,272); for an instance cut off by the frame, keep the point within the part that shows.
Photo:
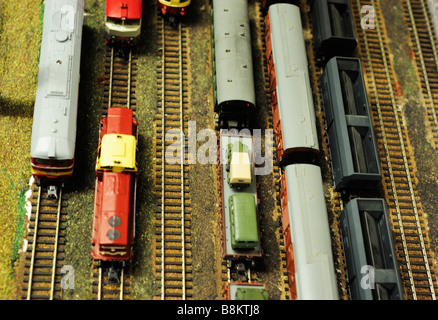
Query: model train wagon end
(333,29)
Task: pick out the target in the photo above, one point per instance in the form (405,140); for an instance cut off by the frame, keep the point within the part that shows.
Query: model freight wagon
(239,205)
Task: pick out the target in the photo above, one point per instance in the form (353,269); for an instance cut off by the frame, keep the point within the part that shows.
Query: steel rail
(163,114)
(128,100)
(111,78)
(100,285)
(55,250)
(29,288)
(182,161)
(99,290)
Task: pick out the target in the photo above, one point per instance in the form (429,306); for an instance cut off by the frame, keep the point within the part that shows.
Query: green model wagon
(243,218)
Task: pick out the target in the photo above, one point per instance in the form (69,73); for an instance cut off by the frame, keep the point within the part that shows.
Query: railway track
(46,244)
(120,78)
(173,262)
(426,56)
(105,290)
(397,164)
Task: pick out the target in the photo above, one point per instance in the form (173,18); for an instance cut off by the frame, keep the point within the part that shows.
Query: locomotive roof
(56,101)
(128,9)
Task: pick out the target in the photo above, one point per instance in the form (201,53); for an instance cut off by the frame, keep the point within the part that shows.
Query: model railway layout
(345,175)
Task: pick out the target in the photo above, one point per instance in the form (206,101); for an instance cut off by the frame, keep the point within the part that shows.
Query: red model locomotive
(123,21)
(115,189)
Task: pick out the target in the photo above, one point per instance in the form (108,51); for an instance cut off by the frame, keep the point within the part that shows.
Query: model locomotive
(115,190)
(123,21)
(56,103)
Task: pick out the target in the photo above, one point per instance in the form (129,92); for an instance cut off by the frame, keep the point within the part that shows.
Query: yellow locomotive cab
(117,153)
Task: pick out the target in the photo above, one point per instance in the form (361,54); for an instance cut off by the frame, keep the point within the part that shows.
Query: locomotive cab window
(42,161)
(53,162)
